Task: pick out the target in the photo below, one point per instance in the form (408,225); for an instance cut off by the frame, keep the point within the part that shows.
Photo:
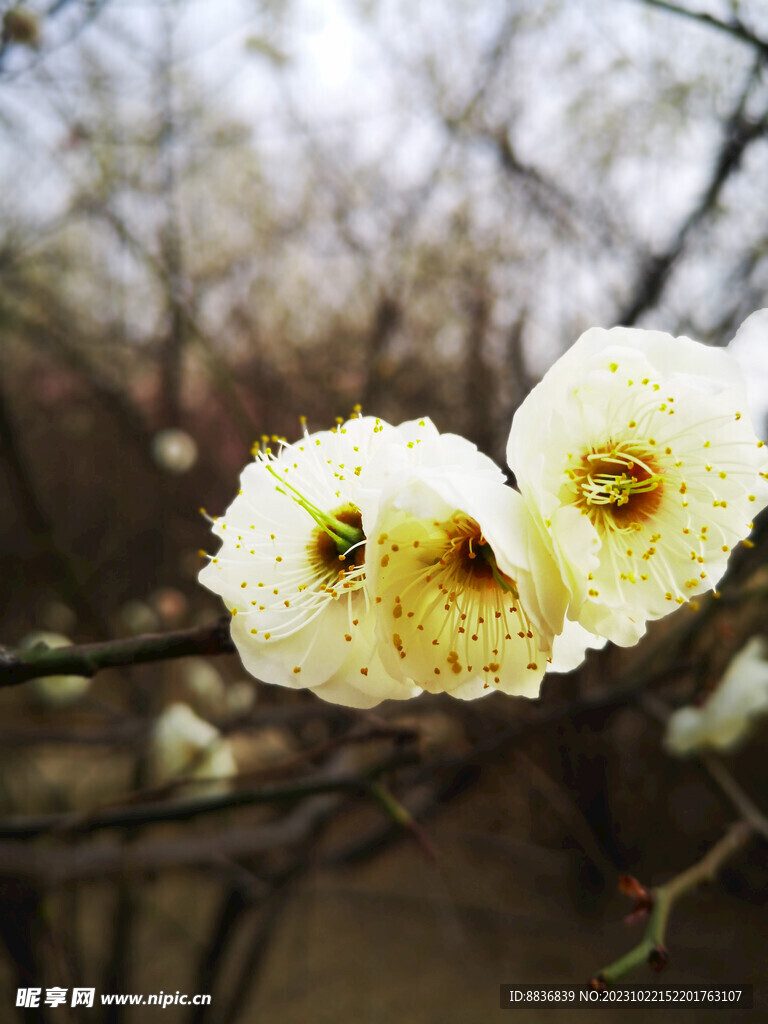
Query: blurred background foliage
(217,217)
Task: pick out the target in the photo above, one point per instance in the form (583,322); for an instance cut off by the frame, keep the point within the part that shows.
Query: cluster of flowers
(372,562)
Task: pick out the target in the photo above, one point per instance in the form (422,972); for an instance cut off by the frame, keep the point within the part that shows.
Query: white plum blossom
(638,460)
(291,567)
(468,598)
(183,745)
(729,713)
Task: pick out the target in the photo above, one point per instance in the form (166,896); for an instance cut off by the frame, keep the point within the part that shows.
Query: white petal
(317,649)
(750,349)
(570,647)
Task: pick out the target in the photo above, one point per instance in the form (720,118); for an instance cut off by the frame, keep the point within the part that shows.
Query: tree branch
(738,134)
(88,659)
(651,948)
(183,810)
(749,810)
(41,529)
(734,28)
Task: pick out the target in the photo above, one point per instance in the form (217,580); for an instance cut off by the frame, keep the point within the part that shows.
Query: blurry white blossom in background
(206,686)
(183,745)
(174,450)
(726,717)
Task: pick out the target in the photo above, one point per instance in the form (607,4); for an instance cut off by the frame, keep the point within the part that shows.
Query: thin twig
(402,817)
(162,791)
(41,528)
(741,801)
(734,28)
(651,948)
(184,810)
(304,824)
(718,772)
(738,134)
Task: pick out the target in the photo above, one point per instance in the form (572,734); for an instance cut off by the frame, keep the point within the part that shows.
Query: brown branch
(222,376)
(551,199)
(238,905)
(287,767)
(738,134)
(194,807)
(742,802)
(734,28)
(259,942)
(171,355)
(750,812)
(40,527)
(57,866)
(88,659)
(480,385)
(386,318)
(651,949)
(49,334)
(520,380)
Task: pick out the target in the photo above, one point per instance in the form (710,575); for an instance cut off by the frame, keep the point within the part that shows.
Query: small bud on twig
(658,958)
(642,897)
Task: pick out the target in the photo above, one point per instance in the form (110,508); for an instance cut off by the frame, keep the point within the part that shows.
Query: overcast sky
(345,84)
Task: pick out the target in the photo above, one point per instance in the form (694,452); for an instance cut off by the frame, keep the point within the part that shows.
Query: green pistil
(342,534)
(616,488)
(486,553)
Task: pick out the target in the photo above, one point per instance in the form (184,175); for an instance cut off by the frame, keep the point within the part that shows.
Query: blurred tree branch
(171,357)
(88,659)
(750,812)
(50,338)
(41,528)
(193,807)
(740,800)
(738,133)
(183,319)
(480,383)
(734,28)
